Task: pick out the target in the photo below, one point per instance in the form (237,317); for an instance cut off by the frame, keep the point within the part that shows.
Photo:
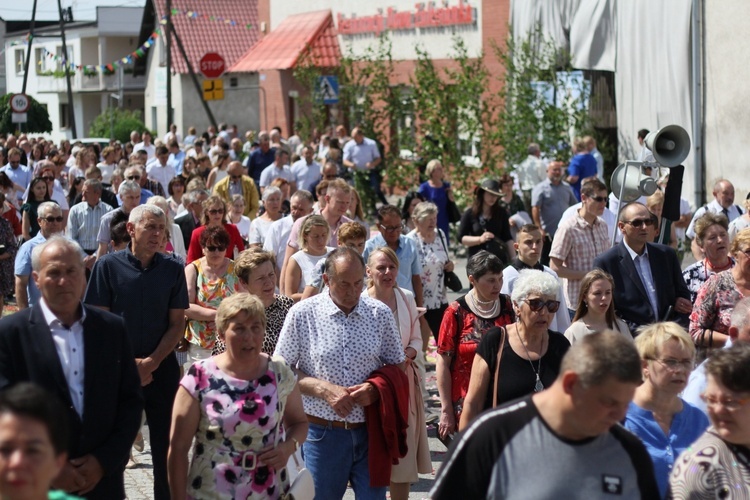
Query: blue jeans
(336,456)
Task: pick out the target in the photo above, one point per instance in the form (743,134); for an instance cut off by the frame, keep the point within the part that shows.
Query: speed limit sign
(20,103)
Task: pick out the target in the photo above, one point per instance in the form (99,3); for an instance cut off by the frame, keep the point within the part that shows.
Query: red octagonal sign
(212,65)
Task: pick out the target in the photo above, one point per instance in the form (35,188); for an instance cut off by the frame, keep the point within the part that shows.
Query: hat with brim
(491,186)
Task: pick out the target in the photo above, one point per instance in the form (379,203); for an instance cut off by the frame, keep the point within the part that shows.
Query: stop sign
(212,65)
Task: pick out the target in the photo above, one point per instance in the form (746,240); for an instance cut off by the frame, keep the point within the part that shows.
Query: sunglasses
(215,211)
(48,178)
(536,305)
(598,199)
(236,177)
(59,218)
(216,249)
(390,229)
(640,222)
(134,178)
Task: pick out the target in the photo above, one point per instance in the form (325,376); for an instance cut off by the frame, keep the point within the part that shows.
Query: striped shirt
(84,221)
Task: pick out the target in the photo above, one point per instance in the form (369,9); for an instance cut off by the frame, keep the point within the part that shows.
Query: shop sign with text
(424,16)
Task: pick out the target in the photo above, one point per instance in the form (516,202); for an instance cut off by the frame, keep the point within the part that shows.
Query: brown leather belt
(335,423)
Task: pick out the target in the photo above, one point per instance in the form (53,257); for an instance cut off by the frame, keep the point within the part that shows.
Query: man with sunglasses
(236,182)
(579,240)
(51,220)
(648,280)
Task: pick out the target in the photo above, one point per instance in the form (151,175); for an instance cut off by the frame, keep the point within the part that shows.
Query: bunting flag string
(137,53)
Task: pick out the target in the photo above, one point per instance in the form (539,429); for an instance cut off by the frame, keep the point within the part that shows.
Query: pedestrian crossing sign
(327,90)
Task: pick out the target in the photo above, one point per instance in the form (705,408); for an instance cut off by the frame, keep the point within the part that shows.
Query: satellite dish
(629,183)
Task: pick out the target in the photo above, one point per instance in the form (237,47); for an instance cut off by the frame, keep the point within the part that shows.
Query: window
(64,118)
(20,56)
(39,61)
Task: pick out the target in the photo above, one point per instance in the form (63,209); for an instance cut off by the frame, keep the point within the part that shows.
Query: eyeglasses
(216,249)
(390,229)
(640,222)
(536,305)
(59,218)
(675,364)
(598,199)
(215,211)
(46,178)
(236,177)
(134,178)
(731,404)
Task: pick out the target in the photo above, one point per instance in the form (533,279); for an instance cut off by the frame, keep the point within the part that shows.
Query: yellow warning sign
(213,90)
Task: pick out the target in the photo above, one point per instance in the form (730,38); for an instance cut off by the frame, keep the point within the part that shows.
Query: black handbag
(454,215)
(451,279)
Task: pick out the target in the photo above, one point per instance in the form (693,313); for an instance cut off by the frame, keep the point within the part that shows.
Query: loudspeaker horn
(629,178)
(670,145)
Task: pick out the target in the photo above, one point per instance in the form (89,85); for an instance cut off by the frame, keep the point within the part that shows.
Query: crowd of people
(235,296)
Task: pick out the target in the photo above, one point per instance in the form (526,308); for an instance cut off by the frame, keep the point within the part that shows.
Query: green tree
(37,117)
(117,123)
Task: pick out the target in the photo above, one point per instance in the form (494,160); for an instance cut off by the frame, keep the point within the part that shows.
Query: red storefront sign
(423,16)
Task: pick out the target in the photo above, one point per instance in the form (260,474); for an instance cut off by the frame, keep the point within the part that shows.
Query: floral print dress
(432,257)
(238,418)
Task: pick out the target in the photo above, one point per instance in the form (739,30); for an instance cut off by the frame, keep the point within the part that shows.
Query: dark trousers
(546,248)
(375,180)
(159,396)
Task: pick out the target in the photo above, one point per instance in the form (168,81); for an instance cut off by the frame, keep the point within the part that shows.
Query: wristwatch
(296,445)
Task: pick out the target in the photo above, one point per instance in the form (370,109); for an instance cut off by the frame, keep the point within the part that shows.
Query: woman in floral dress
(231,404)
(432,246)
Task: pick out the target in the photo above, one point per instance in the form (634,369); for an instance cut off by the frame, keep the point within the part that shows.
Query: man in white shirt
(277,237)
(306,171)
(146,145)
(160,170)
(531,172)
(279,168)
(723,203)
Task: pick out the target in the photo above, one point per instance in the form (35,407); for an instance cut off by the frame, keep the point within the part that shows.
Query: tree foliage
(37,117)
(117,123)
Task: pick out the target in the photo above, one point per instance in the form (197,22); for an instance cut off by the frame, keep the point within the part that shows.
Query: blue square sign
(327,89)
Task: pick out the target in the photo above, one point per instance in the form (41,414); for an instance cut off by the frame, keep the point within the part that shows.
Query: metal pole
(28,50)
(169,63)
(71,111)
(195,80)
(696,24)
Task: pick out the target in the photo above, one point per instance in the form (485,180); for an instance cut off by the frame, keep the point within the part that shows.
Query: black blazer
(631,299)
(113,400)
(187,224)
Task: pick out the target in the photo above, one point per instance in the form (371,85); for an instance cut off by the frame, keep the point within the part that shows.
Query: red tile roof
(229,27)
(283,47)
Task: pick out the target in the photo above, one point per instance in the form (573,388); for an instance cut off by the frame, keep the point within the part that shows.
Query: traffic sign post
(212,65)
(213,90)
(327,90)
(20,103)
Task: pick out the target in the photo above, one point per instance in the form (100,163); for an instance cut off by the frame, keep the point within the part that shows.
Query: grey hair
(599,356)
(137,213)
(46,207)
(303,194)
(54,240)
(342,254)
(741,314)
(129,187)
(94,184)
(424,209)
(270,190)
(534,281)
(161,202)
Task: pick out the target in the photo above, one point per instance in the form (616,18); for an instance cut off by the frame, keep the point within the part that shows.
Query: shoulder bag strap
(495,387)
(441,235)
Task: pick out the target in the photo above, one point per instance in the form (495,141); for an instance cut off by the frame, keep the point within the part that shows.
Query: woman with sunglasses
(210,280)
(712,310)
(596,309)
(465,322)
(717,464)
(665,423)
(529,352)
(214,210)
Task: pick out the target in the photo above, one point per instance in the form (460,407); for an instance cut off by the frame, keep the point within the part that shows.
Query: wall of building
(727,123)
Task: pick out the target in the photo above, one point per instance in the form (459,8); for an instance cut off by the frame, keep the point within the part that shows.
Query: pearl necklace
(485,309)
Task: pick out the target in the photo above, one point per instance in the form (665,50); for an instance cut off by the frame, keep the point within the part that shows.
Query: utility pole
(28,50)
(71,111)
(195,80)
(169,63)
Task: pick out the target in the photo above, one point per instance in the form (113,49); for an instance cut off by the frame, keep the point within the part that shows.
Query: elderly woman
(519,358)
(256,272)
(712,310)
(485,225)
(232,405)
(596,309)
(717,465)
(210,280)
(712,238)
(175,240)
(259,226)
(432,245)
(214,209)
(665,423)
(438,192)
(382,270)
(465,322)
(313,236)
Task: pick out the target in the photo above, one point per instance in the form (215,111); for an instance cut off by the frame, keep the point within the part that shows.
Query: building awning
(310,34)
